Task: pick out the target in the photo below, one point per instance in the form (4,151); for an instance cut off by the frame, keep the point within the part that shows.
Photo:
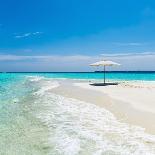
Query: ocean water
(35,121)
(146,76)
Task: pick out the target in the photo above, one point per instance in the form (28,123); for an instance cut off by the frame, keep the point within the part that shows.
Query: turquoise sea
(34,121)
(139,75)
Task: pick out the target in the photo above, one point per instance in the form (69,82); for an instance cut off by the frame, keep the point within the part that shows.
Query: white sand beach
(132,102)
(141,95)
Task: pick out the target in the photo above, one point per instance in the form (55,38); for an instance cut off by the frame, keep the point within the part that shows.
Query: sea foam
(80,128)
(45,84)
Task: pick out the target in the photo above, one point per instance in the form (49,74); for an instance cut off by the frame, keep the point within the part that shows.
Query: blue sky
(35,35)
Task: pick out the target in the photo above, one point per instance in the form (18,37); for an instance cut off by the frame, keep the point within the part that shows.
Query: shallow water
(35,121)
(20,131)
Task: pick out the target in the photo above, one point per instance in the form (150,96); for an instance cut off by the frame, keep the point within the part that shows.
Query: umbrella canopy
(105,63)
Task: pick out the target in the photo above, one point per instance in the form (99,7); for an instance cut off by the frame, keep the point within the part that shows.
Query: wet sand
(108,97)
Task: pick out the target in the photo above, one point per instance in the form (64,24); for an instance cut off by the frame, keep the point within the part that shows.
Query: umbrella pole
(104,74)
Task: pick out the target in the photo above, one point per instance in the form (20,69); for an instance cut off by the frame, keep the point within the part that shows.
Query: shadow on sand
(103,84)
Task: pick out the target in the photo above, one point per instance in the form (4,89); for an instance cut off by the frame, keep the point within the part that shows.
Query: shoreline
(123,110)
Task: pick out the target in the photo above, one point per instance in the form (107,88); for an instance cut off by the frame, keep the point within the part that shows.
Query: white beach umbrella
(105,63)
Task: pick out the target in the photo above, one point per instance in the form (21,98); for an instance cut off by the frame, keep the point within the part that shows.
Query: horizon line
(131,71)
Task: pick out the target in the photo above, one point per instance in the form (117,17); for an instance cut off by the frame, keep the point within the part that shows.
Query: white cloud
(28,35)
(45,57)
(133,54)
(129,61)
(45,63)
(36,33)
(133,61)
